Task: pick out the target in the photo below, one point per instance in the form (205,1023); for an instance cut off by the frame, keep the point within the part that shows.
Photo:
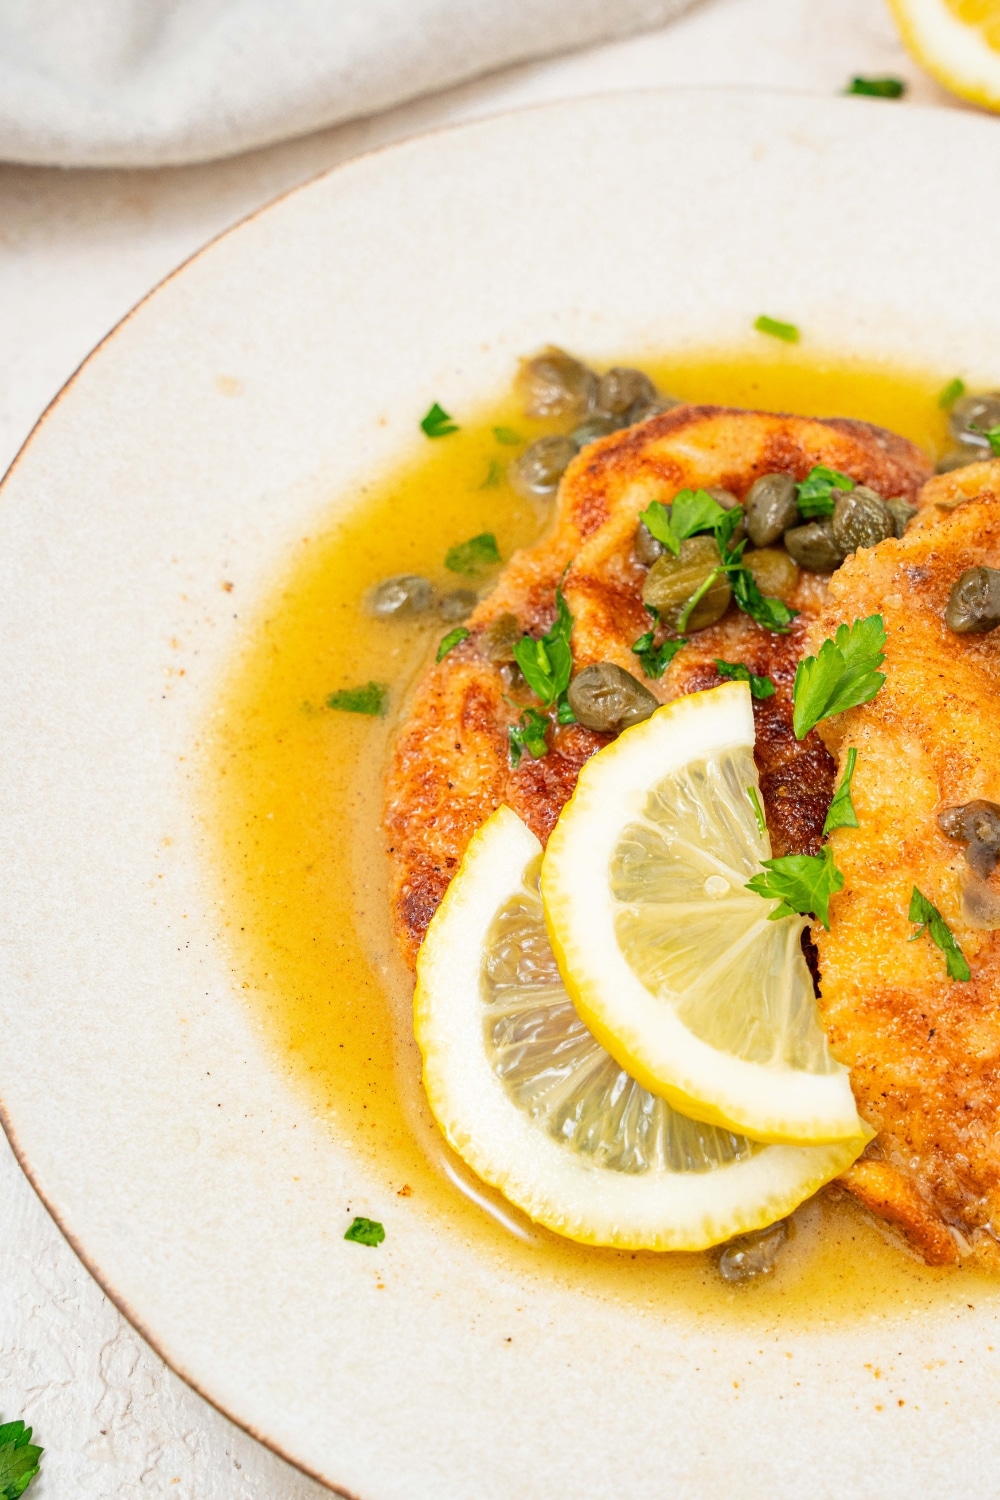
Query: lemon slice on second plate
(957,41)
(538,1108)
(670,960)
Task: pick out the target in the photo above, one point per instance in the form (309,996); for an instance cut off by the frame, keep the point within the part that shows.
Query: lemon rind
(952,52)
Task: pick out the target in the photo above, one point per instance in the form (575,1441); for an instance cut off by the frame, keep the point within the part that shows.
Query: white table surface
(77,250)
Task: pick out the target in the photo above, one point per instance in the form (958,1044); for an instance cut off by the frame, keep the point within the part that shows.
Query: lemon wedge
(957,41)
(538,1108)
(672,963)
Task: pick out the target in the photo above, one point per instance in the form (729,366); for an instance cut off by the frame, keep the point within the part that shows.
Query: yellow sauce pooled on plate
(294,794)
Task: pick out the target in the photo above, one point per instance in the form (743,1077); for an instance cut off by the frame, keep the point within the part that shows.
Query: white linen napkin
(151,82)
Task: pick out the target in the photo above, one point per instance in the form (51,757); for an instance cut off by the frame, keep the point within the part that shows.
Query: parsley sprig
(548,662)
(18,1459)
(689,512)
(365,1232)
(475,556)
(738,671)
(372,699)
(992,436)
(778,329)
(937,929)
(951,392)
(529,733)
(450,641)
(877,88)
(843,675)
(840,813)
(653,659)
(437,423)
(800,883)
(816,491)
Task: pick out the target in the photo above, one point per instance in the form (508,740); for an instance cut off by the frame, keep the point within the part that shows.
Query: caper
(645,546)
(902,513)
(622,387)
(596,426)
(642,410)
(536,472)
(972,417)
(774,572)
(814,546)
(457,605)
(754,1254)
(977,825)
(974,602)
(555,384)
(405,594)
(672,581)
(960,458)
(860,518)
(607,698)
(498,640)
(771,507)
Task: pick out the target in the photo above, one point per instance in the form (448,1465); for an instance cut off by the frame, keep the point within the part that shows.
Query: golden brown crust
(924,1050)
(449,768)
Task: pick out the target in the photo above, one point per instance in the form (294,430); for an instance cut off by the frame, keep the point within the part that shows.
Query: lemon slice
(957,41)
(669,959)
(538,1109)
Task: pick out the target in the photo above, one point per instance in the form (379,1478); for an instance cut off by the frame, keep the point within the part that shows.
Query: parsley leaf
(772,614)
(18,1459)
(815,492)
(548,663)
(474,556)
(689,512)
(758,811)
(507,436)
(802,883)
(932,922)
(877,88)
(494,474)
(564,714)
(437,423)
(450,641)
(951,393)
(370,699)
(841,812)
(737,671)
(365,1232)
(992,436)
(842,676)
(777,329)
(655,660)
(528,734)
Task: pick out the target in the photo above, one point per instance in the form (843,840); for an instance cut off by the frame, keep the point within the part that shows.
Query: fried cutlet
(450,767)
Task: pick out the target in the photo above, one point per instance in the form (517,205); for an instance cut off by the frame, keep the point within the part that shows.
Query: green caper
(607,698)
(815,547)
(498,640)
(974,602)
(771,507)
(860,518)
(536,472)
(754,1254)
(902,513)
(554,384)
(458,605)
(645,546)
(959,458)
(596,426)
(774,572)
(672,581)
(405,594)
(622,387)
(972,416)
(642,410)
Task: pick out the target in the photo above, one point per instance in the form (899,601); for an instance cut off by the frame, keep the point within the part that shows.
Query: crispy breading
(450,767)
(924,1050)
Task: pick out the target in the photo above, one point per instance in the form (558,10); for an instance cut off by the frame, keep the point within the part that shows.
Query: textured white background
(77,250)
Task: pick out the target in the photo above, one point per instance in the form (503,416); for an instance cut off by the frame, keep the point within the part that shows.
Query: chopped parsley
(773,614)
(371,698)
(437,423)
(737,671)
(18,1459)
(758,811)
(475,556)
(877,88)
(365,1232)
(843,675)
(528,734)
(548,663)
(494,474)
(932,922)
(802,883)
(689,512)
(655,660)
(992,436)
(815,492)
(507,436)
(951,392)
(841,812)
(450,641)
(564,713)
(777,329)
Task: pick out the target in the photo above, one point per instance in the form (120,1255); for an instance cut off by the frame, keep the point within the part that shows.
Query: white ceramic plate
(152,1117)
